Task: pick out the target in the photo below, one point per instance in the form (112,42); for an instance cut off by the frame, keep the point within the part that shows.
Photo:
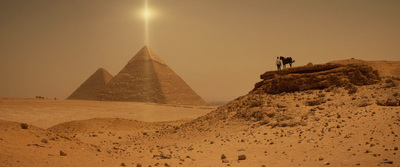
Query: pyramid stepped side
(92,86)
(174,88)
(137,81)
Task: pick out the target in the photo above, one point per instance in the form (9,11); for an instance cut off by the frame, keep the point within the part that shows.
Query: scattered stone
(63,153)
(310,141)
(327,163)
(352,89)
(314,102)
(37,145)
(123,164)
(163,156)
(364,104)
(44,141)
(386,161)
(24,126)
(223,156)
(390,83)
(390,101)
(242,157)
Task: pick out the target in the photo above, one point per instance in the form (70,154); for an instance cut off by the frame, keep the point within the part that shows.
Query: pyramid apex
(146,53)
(101,69)
(146,47)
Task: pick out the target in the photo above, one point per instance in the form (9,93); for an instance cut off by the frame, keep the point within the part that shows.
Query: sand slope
(45,113)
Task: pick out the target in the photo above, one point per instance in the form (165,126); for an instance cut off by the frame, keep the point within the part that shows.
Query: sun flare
(146,13)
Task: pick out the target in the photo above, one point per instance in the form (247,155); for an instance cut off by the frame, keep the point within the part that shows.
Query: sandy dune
(327,127)
(45,113)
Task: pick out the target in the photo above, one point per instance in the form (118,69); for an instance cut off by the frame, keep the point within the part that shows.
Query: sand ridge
(45,113)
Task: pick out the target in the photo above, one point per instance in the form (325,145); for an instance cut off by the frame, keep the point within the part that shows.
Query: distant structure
(146,78)
(92,87)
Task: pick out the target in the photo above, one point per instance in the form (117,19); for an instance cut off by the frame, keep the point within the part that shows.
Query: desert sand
(342,122)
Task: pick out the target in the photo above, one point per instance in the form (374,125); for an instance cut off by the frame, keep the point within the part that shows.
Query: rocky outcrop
(294,96)
(303,95)
(316,77)
(389,100)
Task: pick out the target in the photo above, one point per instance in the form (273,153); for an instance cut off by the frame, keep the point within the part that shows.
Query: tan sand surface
(45,113)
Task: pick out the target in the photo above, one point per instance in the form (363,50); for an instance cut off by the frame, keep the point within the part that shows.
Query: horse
(286,60)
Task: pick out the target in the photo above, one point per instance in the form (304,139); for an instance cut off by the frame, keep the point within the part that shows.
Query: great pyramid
(146,78)
(92,87)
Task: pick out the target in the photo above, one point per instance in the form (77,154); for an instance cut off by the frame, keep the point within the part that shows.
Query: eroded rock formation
(315,77)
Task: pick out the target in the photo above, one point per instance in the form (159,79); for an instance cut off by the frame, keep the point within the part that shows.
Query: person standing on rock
(278,63)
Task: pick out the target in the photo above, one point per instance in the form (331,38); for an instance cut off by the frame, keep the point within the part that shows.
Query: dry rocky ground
(335,122)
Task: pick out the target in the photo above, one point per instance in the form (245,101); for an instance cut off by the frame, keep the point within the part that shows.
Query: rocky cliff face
(316,77)
(308,94)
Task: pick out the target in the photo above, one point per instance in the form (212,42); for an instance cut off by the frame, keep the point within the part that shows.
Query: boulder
(242,157)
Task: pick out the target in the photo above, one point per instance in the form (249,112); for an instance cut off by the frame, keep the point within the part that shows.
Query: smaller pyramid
(92,86)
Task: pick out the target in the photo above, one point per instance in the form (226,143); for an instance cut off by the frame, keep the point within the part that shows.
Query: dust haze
(48,48)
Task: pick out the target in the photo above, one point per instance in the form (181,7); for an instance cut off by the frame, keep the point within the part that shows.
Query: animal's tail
(293,61)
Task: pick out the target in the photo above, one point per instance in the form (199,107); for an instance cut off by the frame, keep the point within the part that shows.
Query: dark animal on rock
(286,60)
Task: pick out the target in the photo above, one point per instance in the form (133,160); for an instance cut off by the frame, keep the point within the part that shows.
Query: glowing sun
(146,13)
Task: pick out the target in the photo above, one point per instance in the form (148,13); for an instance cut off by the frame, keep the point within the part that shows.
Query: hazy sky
(219,47)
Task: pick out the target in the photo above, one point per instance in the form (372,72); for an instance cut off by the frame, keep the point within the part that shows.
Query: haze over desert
(151,83)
